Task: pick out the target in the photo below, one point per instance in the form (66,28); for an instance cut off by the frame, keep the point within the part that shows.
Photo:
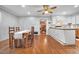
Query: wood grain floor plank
(43,44)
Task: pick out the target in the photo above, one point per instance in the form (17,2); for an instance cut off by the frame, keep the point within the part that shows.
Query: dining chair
(28,38)
(17,42)
(17,29)
(11,36)
(25,40)
(31,37)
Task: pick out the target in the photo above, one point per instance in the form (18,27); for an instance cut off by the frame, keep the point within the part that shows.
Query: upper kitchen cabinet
(63,20)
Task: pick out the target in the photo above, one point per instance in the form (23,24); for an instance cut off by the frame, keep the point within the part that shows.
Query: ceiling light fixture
(64,13)
(46,12)
(76,6)
(28,13)
(22,5)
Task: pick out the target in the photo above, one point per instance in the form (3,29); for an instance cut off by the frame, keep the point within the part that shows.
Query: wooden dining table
(19,37)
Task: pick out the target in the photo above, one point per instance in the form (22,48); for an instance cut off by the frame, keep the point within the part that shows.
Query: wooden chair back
(11,29)
(17,42)
(11,36)
(32,32)
(17,29)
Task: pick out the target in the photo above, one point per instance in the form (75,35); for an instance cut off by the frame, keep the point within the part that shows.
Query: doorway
(43,27)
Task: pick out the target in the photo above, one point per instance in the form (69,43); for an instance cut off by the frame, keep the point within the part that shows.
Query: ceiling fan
(47,9)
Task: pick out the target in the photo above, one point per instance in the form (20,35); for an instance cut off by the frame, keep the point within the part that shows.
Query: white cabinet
(65,37)
(77,19)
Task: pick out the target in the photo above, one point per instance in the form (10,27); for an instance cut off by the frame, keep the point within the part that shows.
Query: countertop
(64,27)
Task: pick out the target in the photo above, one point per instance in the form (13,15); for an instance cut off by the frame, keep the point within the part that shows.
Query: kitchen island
(64,35)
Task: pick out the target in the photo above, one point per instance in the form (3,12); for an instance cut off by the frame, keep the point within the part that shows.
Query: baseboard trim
(4,40)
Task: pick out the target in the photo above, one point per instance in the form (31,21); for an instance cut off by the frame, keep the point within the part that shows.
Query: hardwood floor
(42,45)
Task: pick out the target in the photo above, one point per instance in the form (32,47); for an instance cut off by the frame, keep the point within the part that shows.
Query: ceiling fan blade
(50,11)
(53,7)
(45,7)
(42,13)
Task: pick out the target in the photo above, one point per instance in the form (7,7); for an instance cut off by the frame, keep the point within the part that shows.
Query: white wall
(6,21)
(27,22)
(77,19)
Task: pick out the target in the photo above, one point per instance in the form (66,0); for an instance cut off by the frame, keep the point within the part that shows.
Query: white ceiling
(18,10)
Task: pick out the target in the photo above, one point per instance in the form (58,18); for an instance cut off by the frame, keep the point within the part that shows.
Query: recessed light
(28,13)
(76,6)
(22,5)
(64,13)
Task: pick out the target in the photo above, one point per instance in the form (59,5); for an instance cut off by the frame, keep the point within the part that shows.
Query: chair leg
(15,43)
(10,43)
(20,43)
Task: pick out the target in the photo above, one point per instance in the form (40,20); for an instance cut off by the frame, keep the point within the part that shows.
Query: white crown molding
(15,14)
(8,10)
(35,16)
